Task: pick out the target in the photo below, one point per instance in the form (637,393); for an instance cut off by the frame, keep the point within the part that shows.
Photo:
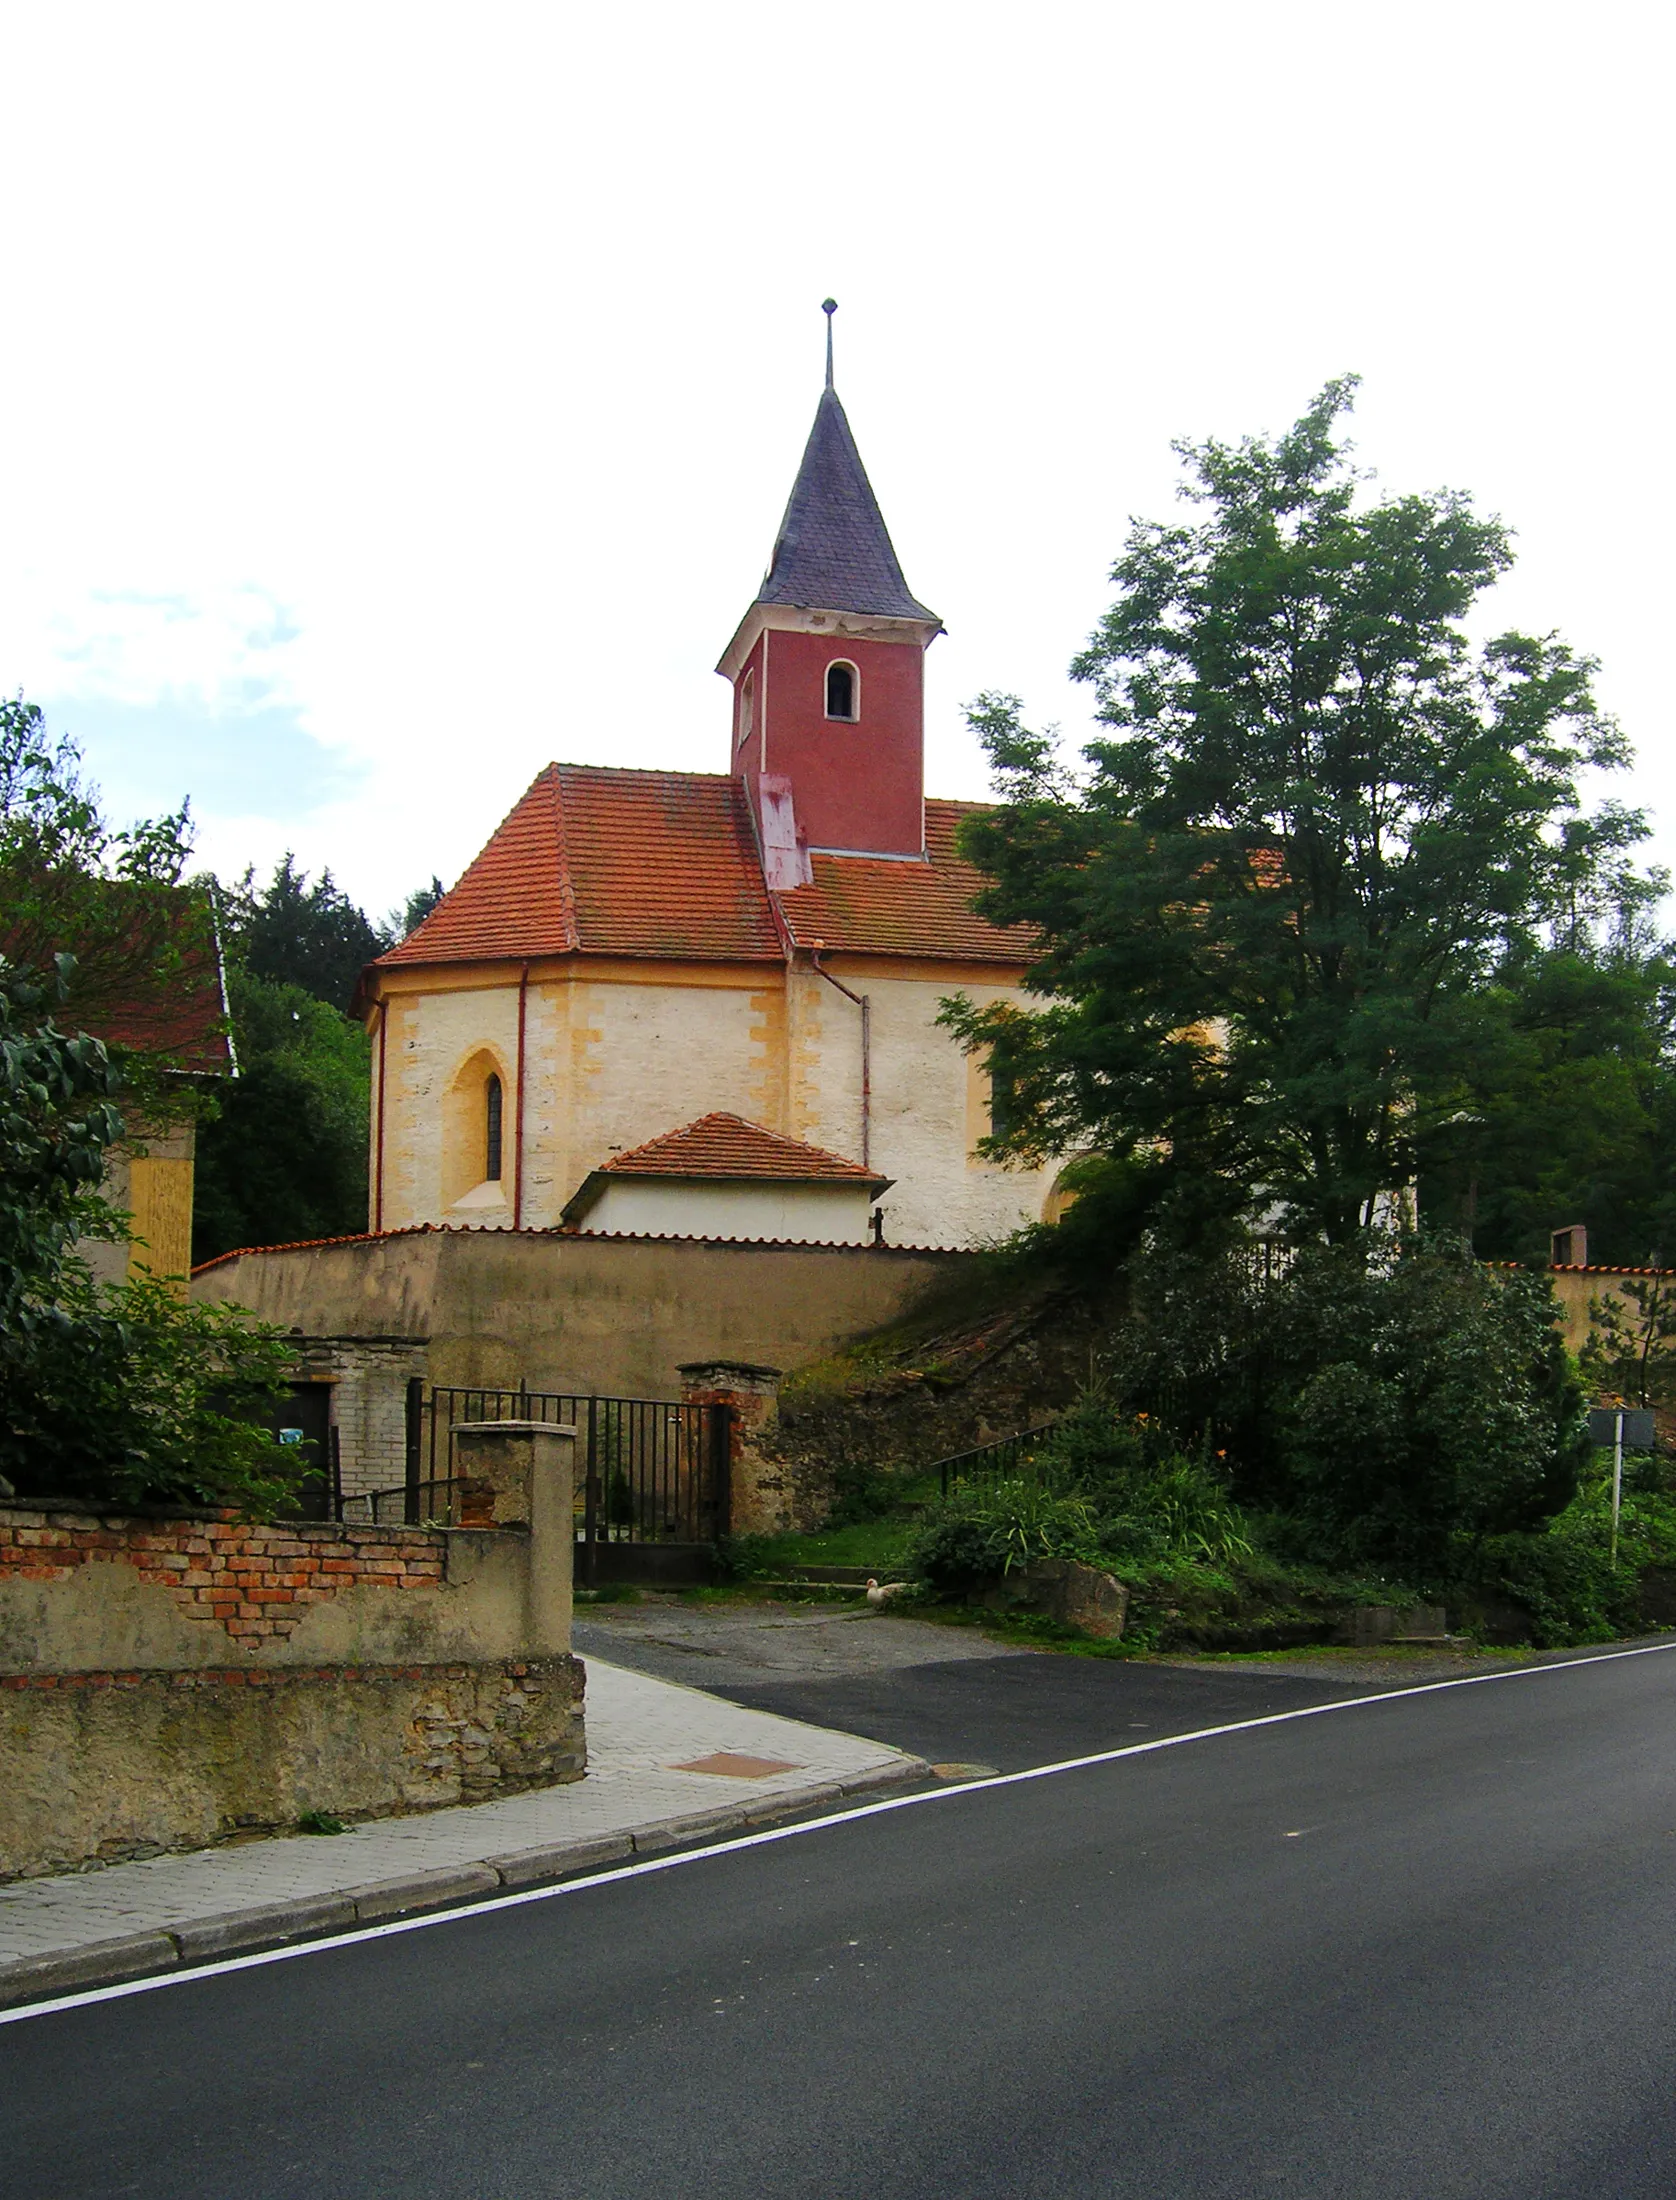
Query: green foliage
(416,908)
(1395,1397)
(1320,822)
(982,1534)
(1104,1487)
(133,1396)
(320,1821)
(1565,1578)
(121,1396)
(1566,1112)
(285,1156)
(58,1120)
(1631,1348)
(292,933)
(106,909)
(1148,1495)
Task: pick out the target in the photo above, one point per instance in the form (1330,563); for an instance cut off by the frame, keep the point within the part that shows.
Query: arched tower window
(747,708)
(492,1112)
(843,691)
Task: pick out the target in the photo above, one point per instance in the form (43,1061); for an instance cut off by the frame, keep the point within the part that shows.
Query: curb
(274,1924)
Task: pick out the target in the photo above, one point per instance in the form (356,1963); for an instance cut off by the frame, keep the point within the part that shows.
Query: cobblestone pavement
(728,1645)
(640,1730)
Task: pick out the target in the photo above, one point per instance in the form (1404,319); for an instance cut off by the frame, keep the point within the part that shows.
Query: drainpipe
(518,1106)
(378,1139)
(866,1007)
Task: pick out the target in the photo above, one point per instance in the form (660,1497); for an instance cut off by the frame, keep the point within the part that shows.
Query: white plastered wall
(798,1214)
(610,1063)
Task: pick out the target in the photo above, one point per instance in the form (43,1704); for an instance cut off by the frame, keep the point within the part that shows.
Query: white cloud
(477,349)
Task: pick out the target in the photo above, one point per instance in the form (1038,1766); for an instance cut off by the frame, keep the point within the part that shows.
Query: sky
(396,398)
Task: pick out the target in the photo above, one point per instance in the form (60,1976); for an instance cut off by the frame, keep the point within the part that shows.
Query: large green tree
(1318,822)
(285,1157)
(1567,1113)
(295,931)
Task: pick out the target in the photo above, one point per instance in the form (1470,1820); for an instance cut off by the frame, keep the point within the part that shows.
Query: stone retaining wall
(108,1767)
(169,1682)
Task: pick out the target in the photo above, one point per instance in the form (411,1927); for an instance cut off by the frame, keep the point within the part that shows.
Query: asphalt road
(892,1680)
(1417,1945)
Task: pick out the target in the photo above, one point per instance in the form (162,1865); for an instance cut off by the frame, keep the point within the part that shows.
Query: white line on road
(189,1975)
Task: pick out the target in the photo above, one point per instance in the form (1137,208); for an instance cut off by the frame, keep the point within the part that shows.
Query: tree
(58,1120)
(285,1157)
(1320,820)
(294,933)
(115,902)
(1567,1113)
(416,908)
(126,1394)
(1392,1397)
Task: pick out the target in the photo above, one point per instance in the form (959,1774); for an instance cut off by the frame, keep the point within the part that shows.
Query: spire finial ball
(829,305)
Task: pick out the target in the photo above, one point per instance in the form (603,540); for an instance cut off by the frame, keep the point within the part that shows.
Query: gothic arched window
(843,691)
(492,1112)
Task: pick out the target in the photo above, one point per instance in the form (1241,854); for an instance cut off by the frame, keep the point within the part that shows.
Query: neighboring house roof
(186,1024)
(601,861)
(833,551)
(724,1145)
(726,1149)
(151,981)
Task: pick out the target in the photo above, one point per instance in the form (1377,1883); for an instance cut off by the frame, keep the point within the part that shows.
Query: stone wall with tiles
(168,1682)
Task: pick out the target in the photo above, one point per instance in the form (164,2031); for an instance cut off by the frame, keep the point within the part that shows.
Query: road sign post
(1620,1425)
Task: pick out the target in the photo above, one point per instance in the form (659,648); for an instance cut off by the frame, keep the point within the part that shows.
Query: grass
(875,1544)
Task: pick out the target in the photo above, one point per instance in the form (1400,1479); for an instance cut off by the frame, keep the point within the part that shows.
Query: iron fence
(414,1504)
(651,1471)
(1009,1459)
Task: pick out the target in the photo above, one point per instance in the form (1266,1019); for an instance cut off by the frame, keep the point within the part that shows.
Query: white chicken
(878,1595)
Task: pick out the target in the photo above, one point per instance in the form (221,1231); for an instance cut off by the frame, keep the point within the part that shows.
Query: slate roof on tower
(834,552)
(600,861)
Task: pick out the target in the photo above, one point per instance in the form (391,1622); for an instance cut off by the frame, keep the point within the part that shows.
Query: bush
(1149,1497)
(131,1396)
(980,1535)
(1394,1397)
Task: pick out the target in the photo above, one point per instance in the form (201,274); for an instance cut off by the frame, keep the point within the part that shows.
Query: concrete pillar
(761,1495)
(522,1474)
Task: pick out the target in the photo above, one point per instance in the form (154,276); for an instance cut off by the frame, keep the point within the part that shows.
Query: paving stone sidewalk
(94,1928)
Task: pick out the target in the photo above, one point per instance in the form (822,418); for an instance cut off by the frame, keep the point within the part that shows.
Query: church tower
(828,672)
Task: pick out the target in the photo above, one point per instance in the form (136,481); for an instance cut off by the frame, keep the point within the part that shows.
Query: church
(704,1004)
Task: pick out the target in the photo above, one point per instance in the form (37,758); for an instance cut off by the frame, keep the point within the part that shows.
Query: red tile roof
(186,1028)
(154,990)
(727,1148)
(608,862)
(878,906)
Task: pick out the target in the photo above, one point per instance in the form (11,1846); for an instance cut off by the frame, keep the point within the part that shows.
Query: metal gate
(655,1475)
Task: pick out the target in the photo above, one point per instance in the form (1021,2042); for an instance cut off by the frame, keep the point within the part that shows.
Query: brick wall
(170,1681)
(253,1581)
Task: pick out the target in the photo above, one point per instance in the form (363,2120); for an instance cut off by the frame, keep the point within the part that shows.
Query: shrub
(979,1535)
(1395,1397)
(1148,1496)
(132,1396)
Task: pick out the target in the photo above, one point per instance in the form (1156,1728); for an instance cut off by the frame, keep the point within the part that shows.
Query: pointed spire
(834,552)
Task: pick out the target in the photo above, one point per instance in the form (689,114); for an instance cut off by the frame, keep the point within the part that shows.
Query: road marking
(950,1794)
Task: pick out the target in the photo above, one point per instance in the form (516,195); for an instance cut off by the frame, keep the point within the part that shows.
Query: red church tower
(828,672)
